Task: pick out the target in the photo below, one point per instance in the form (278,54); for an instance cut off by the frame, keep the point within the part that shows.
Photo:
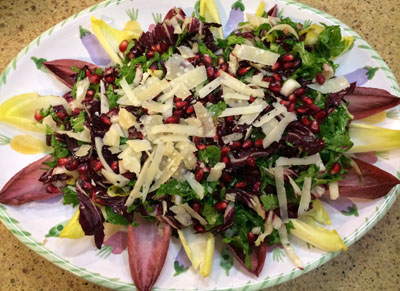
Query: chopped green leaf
(70,196)
(269,201)
(211,155)
(77,122)
(174,187)
(216,109)
(115,218)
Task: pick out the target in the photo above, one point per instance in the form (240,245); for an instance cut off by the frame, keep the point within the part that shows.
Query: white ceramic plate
(32,222)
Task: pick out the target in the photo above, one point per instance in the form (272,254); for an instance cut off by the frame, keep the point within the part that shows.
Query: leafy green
(230,40)
(77,122)
(70,196)
(174,187)
(115,218)
(128,70)
(216,109)
(330,42)
(210,213)
(263,27)
(269,201)
(211,155)
(112,97)
(204,50)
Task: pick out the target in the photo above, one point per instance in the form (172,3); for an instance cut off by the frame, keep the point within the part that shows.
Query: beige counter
(371,264)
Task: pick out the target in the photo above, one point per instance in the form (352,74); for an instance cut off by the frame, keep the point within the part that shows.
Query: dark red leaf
(377,182)
(258,256)
(147,248)
(62,69)
(25,186)
(364,102)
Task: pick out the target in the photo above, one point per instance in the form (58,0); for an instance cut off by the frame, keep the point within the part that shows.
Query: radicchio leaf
(258,255)
(25,186)
(364,101)
(147,248)
(301,137)
(90,218)
(62,69)
(377,182)
(334,99)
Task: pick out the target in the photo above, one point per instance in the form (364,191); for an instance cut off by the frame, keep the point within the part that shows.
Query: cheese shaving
(196,186)
(239,86)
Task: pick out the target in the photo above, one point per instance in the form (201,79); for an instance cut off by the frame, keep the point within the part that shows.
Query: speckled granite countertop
(371,264)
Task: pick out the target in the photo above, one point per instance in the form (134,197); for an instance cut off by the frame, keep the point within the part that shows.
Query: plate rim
(24,237)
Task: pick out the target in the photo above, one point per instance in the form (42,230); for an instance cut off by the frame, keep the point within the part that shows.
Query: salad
(205,133)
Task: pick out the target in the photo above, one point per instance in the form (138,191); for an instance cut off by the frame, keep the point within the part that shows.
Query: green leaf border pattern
(115,283)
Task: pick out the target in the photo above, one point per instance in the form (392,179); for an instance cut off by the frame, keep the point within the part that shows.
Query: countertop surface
(373,263)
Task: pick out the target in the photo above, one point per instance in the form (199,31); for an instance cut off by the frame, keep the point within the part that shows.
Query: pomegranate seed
(291,107)
(302,110)
(177,113)
(320,141)
(241,185)
(199,228)
(83,176)
(221,206)
(307,100)
(276,66)
(83,168)
(305,120)
(201,147)
(199,175)
(257,186)
(190,110)
(225,150)
(252,99)
(320,115)
(258,143)
(223,67)
(217,73)
(335,169)
(229,119)
(140,135)
(277,77)
(156,47)
(235,145)
(292,98)
(268,79)
(62,114)
(176,99)
(274,87)
(63,161)
(210,72)
(96,165)
(196,139)
(164,46)
(320,78)
(243,71)
(114,166)
(287,66)
(314,127)
(38,117)
(251,162)
(196,206)
(90,93)
(52,189)
(287,58)
(172,119)
(105,119)
(94,79)
(299,92)
(181,104)
(225,160)
(76,112)
(285,103)
(123,45)
(207,60)
(251,237)
(86,185)
(247,144)
(110,79)
(150,54)
(72,165)
(87,72)
(226,178)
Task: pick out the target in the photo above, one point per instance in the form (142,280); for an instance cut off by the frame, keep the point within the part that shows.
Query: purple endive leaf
(258,256)
(273,11)
(364,101)
(376,182)
(95,50)
(118,242)
(25,186)
(62,69)
(147,248)
(235,17)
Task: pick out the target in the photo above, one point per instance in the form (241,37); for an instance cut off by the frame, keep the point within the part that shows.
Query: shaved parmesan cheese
(177,66)
(206,119)
(138,76)
(249,118)
(112,137)
(196,186)
(81,136)
(170,138)
(305,196)
(81,89)
(168,171)
(269,126)
(281,191)
(255,21)
(276,133)
(83,150)
(256,80)
(191,79)
(242,110)
(309,160)
(49,121)
(154,169)
(232,137)
(331,86)
(130,160)
(235,96)
(267,229)
(126,119)
(216,172)
(135,193)
(278,109)
(255,54)
(144,93)
(187,149)
(334,190)
(194,214)
(185,51)
(289,86)
(233,64)
(177,129)
(283,27)
(139,145)
(239,86)
(104,105)
(181,215)
(156,107)
(129,93)
(207,89)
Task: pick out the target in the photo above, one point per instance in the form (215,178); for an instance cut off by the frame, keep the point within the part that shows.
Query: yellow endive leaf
(318,213)
(110,37)
(325,239)
(73,229)
(199,248)
(374,119)
(209,10)
(28,144)
(370,138)
(348,42)
(260,9)
(313,32)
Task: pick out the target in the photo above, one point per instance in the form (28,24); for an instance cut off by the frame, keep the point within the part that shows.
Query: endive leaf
(370,138)
(209,10)
(327,240)
(258,255)
(260,9)
(199,248)
(110,38)
(318,213)
(73,229)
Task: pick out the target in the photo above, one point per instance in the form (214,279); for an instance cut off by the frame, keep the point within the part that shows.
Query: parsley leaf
(70,196)
(77,123)
(269,201)
(216,109)
(174,187)
(112,97)
(211,155)
(115,218)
